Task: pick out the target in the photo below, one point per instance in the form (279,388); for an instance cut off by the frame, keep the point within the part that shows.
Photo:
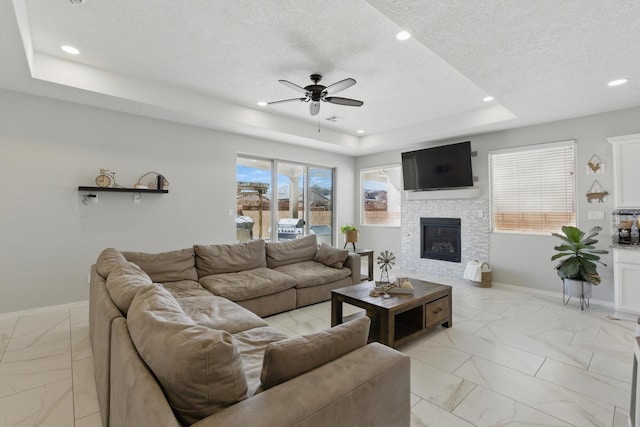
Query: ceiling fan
(315,93)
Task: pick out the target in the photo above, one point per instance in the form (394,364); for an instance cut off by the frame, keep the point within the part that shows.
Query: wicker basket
(486,280)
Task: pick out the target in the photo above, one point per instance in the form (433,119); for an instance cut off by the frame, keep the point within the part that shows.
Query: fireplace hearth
(440,239)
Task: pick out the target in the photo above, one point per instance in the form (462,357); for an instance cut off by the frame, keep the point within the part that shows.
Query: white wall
(48,239)
(525,260)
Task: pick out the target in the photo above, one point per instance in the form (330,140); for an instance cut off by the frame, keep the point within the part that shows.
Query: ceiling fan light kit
(315,93)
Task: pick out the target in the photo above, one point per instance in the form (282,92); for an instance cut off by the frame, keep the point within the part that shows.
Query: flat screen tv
(437,168)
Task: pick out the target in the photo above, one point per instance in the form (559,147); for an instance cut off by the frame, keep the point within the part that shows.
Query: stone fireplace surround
(474,216)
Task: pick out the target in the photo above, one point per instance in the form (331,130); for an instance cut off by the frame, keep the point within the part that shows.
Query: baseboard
(45,310)
(546,293)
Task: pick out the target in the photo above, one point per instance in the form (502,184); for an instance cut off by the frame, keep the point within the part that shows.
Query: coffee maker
(625,226)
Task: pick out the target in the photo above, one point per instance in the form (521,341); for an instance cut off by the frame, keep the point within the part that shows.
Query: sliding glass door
(320,196)
(299,203)
(253,199)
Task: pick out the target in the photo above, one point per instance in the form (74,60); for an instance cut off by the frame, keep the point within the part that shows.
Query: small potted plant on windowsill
(578,268)
(350,235)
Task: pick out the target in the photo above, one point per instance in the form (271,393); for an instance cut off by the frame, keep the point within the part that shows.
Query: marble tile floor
(46,369)
(512,358)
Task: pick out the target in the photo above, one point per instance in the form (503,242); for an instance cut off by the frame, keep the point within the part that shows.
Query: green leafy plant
(579,254)
(346,228)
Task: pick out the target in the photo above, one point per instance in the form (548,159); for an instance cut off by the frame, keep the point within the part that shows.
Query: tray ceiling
(208,63)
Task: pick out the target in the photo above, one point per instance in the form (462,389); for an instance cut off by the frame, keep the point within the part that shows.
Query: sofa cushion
(311,273)
(109,259)
(219,313)
(217,259)
(186,289)
(330,256)
(252,344)
(291,251)
(199,369)
(166,266)
(124,283)
(248,284)
(286,359)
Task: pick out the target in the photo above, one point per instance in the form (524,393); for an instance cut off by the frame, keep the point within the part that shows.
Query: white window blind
(533,189)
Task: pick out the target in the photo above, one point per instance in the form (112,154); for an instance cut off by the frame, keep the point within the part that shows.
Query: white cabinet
(626,171)
(626,279)
(626,261)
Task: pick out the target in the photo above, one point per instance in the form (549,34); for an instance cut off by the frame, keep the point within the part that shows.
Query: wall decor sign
(595,165)
(597,193)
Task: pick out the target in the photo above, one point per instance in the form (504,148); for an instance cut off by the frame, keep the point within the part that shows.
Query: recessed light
(70,49)
(487,98)
(361,131)
(617,82)
(403,35)
(262,103)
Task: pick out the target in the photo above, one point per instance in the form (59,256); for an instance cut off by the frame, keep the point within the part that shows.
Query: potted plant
(350,235)
(577,267)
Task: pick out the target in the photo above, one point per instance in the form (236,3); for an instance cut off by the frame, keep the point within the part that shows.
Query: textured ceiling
(543,59)
(209,63)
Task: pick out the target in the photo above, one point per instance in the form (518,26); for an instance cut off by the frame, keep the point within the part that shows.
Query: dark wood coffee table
(400,318)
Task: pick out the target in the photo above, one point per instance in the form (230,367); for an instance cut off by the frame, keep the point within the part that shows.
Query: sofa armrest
(353,263)
(136,397)
(102,312)
(375,392)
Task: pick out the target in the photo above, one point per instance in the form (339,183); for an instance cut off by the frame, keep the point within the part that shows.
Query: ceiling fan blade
(293,86)
(344,101)
(341,85)
(314,108)
(287,100)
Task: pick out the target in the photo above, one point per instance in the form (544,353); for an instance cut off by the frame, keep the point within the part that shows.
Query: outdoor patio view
(298,204)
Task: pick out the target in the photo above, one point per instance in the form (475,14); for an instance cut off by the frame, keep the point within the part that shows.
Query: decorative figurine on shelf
(158,182)
(106,179)
(386,261)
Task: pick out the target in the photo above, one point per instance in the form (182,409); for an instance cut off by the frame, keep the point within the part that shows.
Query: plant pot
(578,289)
(351,236)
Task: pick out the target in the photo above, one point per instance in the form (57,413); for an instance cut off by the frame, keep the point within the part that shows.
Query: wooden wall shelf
(121,190)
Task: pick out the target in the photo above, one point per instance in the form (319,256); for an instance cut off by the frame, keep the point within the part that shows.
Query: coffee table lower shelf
(399,319)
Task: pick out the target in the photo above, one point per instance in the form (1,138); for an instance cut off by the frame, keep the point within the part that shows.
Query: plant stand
(350,236)
(578,289)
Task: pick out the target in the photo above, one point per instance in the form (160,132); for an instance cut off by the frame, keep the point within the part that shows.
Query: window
(533,189)
(300,192)
(381,196)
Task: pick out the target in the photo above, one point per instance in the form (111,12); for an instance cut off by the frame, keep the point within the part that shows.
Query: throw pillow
(286,359)
(200,369)
(330,256)
(124,283)
(164,267)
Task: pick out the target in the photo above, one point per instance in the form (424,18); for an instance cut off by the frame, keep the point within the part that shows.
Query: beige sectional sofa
(178,340)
